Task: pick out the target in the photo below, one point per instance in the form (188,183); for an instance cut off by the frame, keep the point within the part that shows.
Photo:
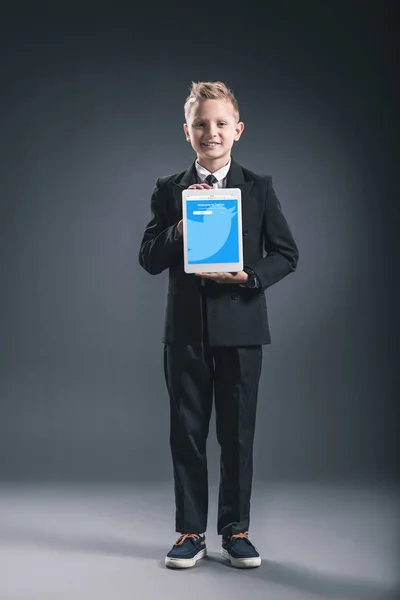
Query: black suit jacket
(236,316)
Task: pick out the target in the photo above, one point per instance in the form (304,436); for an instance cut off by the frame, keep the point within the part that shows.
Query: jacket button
(245,231)
(235,296)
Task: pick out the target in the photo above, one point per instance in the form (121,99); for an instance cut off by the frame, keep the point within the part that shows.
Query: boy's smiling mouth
(210,144)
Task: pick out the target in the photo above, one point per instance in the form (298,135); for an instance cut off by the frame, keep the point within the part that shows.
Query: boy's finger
(200,186)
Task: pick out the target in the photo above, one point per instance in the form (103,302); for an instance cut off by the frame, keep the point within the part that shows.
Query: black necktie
(210,179)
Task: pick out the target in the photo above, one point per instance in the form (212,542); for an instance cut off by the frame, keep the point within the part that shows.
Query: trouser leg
(189,378)
(237,375)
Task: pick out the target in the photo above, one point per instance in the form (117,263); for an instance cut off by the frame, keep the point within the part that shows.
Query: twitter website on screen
(212,231)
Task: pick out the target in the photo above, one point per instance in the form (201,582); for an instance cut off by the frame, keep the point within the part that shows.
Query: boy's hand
(239,277)
(200,186)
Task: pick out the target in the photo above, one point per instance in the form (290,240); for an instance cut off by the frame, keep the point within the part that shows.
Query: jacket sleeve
(281,250)
(160,247)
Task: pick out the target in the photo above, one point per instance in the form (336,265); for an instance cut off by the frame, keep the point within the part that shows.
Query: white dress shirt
(221,174)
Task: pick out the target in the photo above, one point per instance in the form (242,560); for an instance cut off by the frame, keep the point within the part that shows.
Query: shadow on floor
(317,583)
(75,542)
(287,575)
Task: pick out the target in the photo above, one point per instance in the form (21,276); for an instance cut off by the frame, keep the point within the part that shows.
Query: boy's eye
(201,124)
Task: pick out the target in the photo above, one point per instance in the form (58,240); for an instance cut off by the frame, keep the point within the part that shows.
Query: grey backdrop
(91,114)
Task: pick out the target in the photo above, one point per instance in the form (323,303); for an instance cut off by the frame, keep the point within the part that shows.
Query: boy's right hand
(200,186)
(195,186)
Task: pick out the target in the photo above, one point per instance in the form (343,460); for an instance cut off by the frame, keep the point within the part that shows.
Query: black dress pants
(194,376)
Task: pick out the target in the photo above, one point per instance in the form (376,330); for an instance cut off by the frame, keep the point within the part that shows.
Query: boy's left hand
(239,277)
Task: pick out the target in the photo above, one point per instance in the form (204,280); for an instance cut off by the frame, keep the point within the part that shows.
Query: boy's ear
(238,130)
(186,130)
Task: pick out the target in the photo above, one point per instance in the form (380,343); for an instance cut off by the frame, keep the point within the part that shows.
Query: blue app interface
(212,230)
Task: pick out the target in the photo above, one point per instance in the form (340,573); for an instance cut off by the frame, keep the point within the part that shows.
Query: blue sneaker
(240,551)
(187,550)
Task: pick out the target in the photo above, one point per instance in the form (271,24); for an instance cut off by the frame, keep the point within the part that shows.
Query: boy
(215,326)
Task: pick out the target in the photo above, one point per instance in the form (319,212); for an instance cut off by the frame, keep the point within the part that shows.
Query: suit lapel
(189,178)
(235,179)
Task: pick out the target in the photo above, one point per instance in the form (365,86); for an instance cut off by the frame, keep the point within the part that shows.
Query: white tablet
(212,230)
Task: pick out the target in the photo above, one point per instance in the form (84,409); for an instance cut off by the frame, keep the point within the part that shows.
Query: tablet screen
(212,229)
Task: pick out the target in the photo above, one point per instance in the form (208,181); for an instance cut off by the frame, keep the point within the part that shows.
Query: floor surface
(98,542)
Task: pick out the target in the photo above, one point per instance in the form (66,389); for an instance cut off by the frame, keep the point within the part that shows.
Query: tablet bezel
(211,195)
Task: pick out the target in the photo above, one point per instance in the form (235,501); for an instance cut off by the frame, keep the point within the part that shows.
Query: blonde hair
(210,90)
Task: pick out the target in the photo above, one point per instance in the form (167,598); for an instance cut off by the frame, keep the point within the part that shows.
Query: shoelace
(244,535)
(186,536)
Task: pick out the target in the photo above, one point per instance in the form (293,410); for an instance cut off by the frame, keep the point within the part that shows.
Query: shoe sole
(241,563)
(184,563)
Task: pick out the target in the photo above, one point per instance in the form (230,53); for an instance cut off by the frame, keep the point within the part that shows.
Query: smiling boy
(215,327)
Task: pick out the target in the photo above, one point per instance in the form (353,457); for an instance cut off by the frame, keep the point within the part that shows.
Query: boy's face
(212,128)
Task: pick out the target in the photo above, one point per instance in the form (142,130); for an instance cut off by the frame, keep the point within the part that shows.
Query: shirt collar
(202,172)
